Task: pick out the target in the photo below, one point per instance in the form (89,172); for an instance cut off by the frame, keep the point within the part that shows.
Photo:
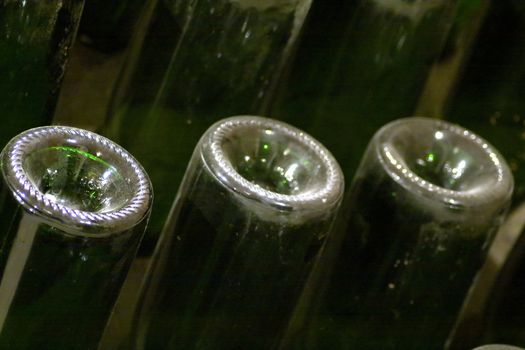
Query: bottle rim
(500,189)
(317,198)
(75,221)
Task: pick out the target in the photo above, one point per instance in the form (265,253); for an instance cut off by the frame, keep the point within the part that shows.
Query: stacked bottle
(422,209)
(258,200)
(74,208)
(172,89)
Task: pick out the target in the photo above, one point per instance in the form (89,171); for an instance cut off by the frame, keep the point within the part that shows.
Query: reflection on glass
(423,207)
(35,37)
(198,60)
(256,204)
(73,207)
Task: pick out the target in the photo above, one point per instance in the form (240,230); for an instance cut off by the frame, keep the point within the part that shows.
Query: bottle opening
(439,156)
(76,178)
(273,162)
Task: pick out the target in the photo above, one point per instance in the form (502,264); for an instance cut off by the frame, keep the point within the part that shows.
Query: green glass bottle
(422,209)
(74,207)
(107,25)
(257,202)
(35,38)
(360,64)
(197,61)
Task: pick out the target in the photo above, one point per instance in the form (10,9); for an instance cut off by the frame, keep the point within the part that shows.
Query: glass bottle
(422,209)
(256,203)
(360,64)
(197,60)
(107,25)
(35,38)
(73,206)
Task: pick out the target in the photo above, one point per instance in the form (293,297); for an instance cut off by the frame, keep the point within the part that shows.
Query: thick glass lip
(499,187)
(314,199)
(75,221)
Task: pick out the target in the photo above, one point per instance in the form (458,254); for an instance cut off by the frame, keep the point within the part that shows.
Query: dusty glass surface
(422,209)
(244,233)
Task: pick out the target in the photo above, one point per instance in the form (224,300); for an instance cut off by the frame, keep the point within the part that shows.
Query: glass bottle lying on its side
(73,210)
(258,200)
(197,60)
(422,209)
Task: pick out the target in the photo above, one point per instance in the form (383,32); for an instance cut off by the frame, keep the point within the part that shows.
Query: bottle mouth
(79,180)
(273,163)
(443,161)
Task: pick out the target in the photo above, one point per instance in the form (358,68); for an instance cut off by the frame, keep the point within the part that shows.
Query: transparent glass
(74,207)
(35,38)
(359,64)
(255,206)
(421,212)
(198,60)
